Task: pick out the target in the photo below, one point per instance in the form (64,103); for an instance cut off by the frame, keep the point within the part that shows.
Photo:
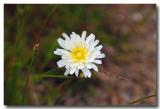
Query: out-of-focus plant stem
(142,99)
(35,47)
(29,67)
(45,21)
(55,76)
(47,18)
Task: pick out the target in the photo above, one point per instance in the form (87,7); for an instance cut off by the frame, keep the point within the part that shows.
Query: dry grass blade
(111,75)
(142,99)
(28,76)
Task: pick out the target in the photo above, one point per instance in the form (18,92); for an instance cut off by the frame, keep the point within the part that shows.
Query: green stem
(55,76)
(28,76)
(142,99)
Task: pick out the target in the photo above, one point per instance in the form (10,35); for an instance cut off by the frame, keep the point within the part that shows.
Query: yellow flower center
(79,54)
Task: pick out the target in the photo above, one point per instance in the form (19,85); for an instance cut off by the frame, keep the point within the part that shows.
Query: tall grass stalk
(28,75)
(35,47)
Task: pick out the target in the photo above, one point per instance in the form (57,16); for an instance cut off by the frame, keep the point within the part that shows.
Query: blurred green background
(128,33)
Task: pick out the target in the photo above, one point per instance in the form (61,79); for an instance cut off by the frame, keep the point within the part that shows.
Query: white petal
(77,72)
(61,63)
(74,33)
(68,42)
(93,55)
(77,38)
(72,64)
(90,58)
(94,67)
(97,61)
(68,65)
(92,45)
(61,42)
(73,37)
(83,35)
(66,36)
(95,52)
(61,52)
(95,43)
(76,65)
(73,69)
(90,37)
(86,72)
(73,41)
(102,55)
(58,53)
(68,45)
(88,65)
(81,66)
(98,48)
(93,38)
(67,71)
(66,57)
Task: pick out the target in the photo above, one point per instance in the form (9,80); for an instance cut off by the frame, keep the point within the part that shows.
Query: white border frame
(61,2)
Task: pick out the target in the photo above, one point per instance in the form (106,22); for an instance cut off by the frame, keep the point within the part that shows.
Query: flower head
(79,53)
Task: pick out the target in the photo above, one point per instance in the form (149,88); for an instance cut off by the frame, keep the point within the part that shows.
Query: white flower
(79,53)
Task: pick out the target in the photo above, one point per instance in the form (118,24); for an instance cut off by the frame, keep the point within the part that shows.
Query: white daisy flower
(79,53)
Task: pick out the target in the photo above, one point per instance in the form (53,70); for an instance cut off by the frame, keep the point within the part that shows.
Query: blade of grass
(142,99)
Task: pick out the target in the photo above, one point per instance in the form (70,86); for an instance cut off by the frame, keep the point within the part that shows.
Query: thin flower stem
(28,76)
(55,76)
(142,99)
